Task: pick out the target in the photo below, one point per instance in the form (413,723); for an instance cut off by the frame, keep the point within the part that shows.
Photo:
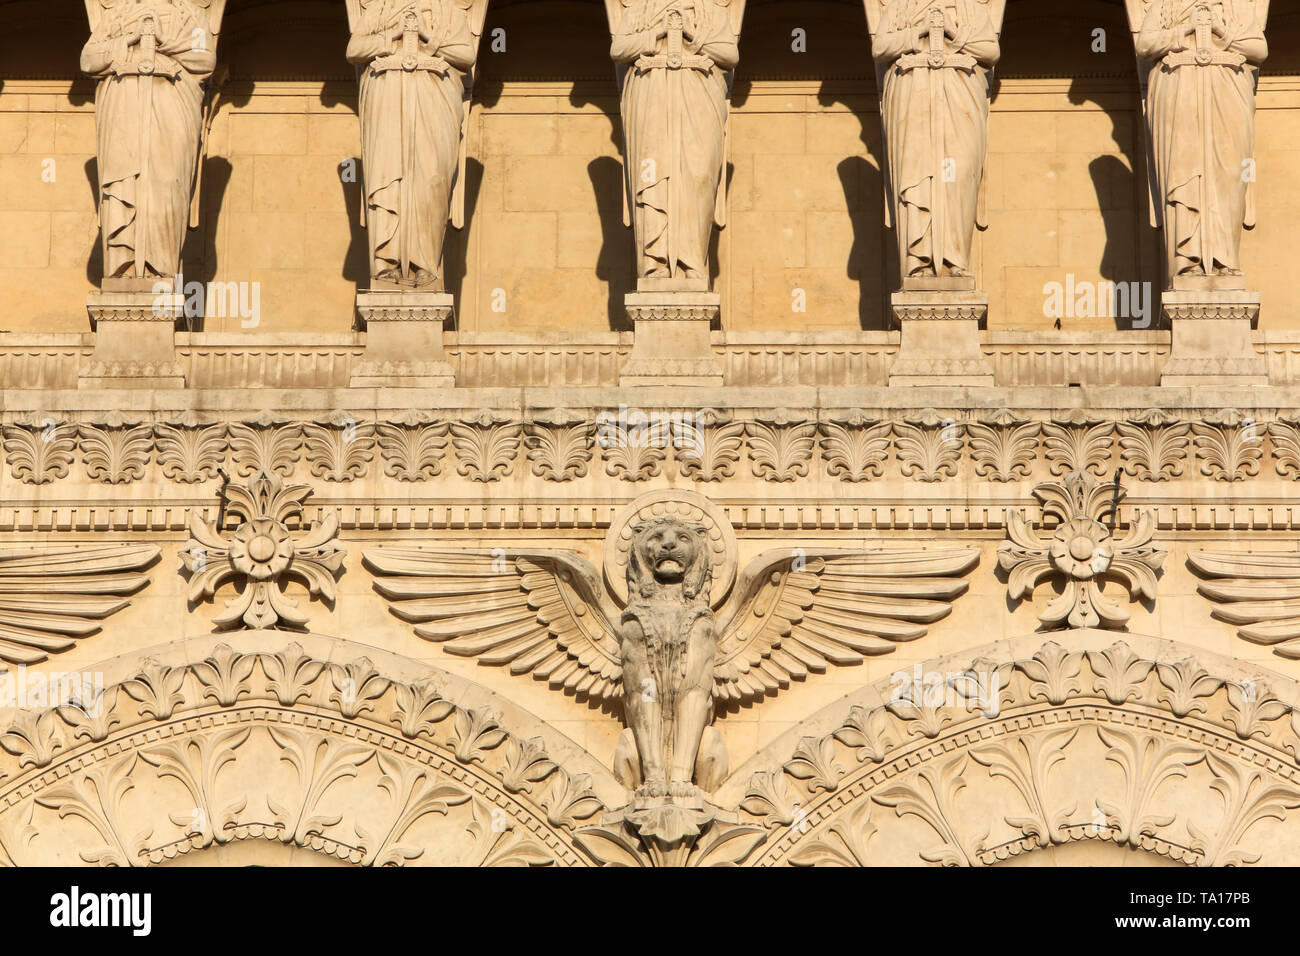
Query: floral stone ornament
(1082,550)
(262,555)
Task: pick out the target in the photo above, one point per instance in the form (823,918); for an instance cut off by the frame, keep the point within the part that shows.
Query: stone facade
(693,513)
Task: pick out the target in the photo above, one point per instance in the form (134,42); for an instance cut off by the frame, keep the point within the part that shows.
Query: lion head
(668,551)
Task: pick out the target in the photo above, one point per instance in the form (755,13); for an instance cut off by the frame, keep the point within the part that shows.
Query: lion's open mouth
(670,564)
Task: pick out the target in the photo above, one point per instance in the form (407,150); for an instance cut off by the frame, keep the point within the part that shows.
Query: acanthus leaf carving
(769,797)
(559,451)
(1119,672)
(319,761)
(1185,683)
(1026,763)
(291,673)
(1148,763)
(1252,707)
(1248,797)
(96,797)
(856,449)
(190,453)
(526,764)
(708,450)
(1077,444)
(116,455)
(570,800)
(197,762)
(928,447)
(843,843)
(930,795)
(865,732)
(419,707)
(33,738)
(781,451)
(501,844)
(265,447)
(41,453)
(477,731)
(1228,446)
(224,675)
(1054,673)
(357,685)
(156,688)
(814,763)
(412,452)
(414,794)
(340,449)
(1003,452)
(1155,450)
(486,448)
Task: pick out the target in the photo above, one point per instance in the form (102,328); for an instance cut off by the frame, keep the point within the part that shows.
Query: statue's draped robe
(410,135)
(148,130)
(1178,134)
(934,118)
(674,124)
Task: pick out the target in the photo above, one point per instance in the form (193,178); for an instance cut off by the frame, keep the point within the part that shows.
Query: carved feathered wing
(795,612)
(1259,592)
(49,597)
(539,612)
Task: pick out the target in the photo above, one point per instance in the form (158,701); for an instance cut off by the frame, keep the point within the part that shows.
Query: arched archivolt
(296,742)
(1079,737)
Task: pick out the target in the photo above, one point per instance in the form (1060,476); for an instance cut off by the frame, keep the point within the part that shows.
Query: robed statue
(674,59)
(415,59)
(151,58)
(934,60)
(1203,59)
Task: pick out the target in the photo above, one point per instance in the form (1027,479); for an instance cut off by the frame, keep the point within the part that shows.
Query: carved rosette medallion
(1082,550)
(263,554)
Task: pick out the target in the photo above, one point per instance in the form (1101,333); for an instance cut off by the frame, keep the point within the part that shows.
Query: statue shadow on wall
(614,263)
(356,261)
(1132,250)
(95,257)
(455,251)
(872,259)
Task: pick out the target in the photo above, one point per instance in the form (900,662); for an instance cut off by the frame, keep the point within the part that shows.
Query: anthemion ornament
(263,554)
(1082,550)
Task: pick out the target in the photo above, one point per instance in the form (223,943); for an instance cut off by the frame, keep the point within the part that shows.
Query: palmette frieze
(796,447)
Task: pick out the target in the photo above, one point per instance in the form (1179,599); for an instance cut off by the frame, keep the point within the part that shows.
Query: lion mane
(697,580)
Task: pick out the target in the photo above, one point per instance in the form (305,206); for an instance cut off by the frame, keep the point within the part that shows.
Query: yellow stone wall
(546,248)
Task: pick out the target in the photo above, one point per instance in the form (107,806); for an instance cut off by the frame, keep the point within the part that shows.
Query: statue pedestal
(135,338)
(1210,334)
(670,337)
(939,320)
(404,340)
